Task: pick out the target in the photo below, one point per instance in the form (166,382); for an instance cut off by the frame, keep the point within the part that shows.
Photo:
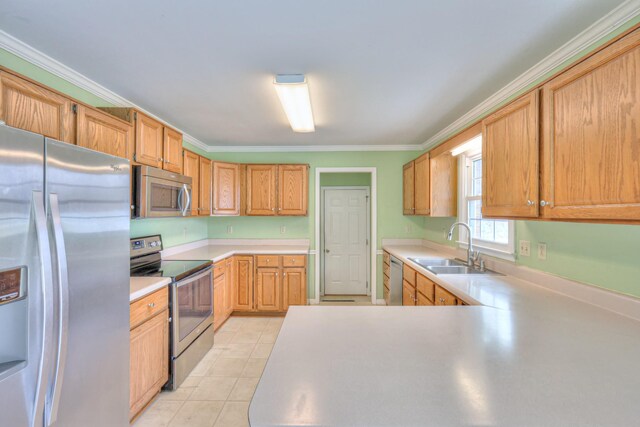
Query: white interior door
(346,236)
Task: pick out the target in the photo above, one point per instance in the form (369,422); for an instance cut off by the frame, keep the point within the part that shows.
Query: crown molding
(599,29)
(47,63)
(308,148)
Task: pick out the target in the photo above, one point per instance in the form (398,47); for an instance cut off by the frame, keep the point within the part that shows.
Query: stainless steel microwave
(160,194)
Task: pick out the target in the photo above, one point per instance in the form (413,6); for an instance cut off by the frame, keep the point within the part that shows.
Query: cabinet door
(268,287)
(293,189)
(172,150)
(422,188)
(408,294)
(148,361)
(243,289)
(230,274)
(294,284)
(226,188)
(149,136)
(28,106)
(205,187)
(422,300)
(102,132)
(444,185)
(510,160)
(191,167)
(591,137)
(219,315)
(408,189)
(261,189)
(444,297)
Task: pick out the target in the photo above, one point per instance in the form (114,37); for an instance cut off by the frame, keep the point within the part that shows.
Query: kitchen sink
(427,262)
(449,266)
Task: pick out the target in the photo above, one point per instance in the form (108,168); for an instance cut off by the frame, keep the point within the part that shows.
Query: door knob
(326,251)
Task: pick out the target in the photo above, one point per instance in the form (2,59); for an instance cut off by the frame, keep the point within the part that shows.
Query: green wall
(604,255)
(346,179)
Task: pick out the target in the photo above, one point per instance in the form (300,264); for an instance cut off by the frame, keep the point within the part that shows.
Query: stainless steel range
(191,303)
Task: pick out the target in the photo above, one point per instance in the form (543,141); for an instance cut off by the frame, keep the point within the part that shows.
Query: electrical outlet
(229,229)
(184,232)
(408,229)
(283,229)
(542,251)
(525,248)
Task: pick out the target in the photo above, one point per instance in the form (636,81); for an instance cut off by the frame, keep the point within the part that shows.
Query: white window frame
(499,250)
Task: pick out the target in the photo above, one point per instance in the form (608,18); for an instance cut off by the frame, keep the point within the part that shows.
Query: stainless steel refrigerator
(64,284)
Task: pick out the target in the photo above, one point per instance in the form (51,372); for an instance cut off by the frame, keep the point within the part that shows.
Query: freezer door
(88,211)
(26,281)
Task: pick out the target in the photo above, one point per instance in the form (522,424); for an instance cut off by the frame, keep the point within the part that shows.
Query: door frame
(374,226)
(368,225)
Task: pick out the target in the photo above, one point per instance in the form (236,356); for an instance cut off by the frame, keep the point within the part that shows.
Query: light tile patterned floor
(218,391)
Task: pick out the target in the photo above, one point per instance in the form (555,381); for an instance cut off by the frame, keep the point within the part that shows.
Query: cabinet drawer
(408,294)
(219,268)
(386,258)
(268,260)
(294,260)
(148,306)
(425,286)
(444,297)
(386,269)
(386,294)
(409,274)
(385,280)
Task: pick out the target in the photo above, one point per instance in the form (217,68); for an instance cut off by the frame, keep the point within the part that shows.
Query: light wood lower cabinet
(149,349)
(408,293)
(443,297)
(276,283)
(219,297)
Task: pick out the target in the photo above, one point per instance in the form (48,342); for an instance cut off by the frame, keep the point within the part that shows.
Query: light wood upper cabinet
(510,160)
(408,189)
(243,294)
(226,188)
(26,105)
(444,186)
(268,289)
(149,139)
(261,189)
(293,188)
(102,132)
(591,137)
(422,191)
(191,168)
(204,199)
(172,150)
(294,284)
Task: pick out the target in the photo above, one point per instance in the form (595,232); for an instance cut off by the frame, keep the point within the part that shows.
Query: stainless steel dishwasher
(395,282)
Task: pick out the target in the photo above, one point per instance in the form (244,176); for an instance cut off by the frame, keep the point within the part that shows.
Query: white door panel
(345,241)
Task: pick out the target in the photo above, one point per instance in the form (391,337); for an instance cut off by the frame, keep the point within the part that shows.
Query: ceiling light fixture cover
(293,91)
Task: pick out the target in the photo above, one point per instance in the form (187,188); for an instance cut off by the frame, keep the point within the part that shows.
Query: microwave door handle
(46,277)
(180,195)
(187,205)
(63,298)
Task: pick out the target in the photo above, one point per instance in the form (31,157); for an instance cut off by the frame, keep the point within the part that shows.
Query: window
(492,236)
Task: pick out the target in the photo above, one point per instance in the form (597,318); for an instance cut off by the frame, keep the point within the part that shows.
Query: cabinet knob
(530,203)
(543,203)
(151,304)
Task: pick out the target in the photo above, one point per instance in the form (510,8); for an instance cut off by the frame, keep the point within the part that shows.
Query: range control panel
(145,245)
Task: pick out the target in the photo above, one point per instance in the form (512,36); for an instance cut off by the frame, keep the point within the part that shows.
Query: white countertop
(219,252)
(528,357)
(142,286)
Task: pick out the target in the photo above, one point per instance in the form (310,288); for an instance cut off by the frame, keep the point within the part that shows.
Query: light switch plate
(542,251)
(525,248)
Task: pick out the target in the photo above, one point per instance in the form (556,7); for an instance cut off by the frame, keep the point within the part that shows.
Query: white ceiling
(380,72)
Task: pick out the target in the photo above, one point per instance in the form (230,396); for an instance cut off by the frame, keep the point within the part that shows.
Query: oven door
(192,309)
(160,197)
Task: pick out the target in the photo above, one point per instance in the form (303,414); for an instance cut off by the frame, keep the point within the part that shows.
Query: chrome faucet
(471,255)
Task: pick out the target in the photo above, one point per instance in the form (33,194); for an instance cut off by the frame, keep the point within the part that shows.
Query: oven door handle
(193,278)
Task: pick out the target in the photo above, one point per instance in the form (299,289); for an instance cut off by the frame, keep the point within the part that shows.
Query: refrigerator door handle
(187,205)
(63,300)
(46,273)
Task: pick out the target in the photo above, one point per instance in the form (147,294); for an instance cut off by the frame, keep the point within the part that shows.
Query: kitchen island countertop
(522,356)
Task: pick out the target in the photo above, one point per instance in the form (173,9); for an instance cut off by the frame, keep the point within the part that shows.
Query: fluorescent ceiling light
(293,92)
(473,145)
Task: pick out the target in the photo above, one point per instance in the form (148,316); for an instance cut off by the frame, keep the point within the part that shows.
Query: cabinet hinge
(74,108)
